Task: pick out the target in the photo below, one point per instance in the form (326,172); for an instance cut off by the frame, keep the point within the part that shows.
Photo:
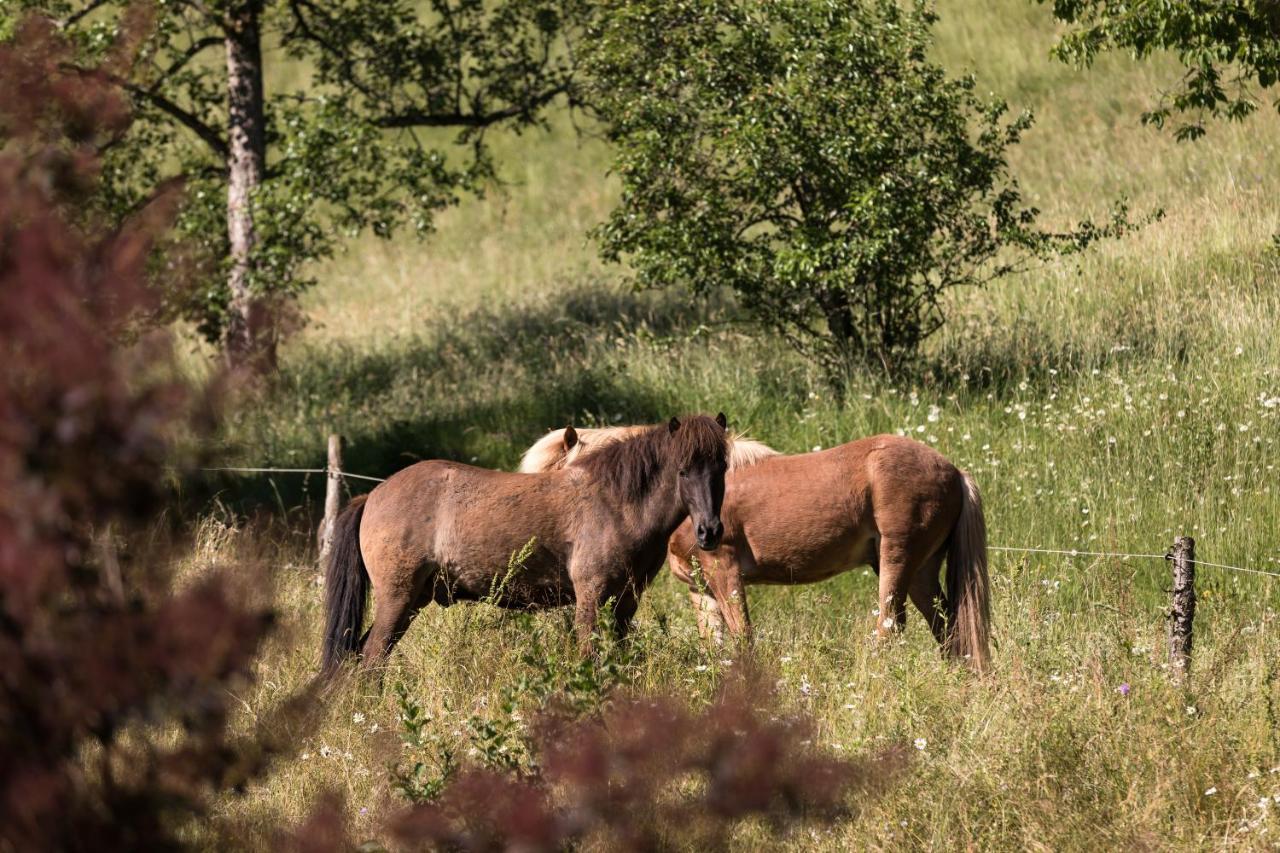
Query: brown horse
(444,532)
(888,501)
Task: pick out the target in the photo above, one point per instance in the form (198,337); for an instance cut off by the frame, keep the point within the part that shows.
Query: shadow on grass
(478,387)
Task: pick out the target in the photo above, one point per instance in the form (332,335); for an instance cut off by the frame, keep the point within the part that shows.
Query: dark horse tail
(968,589)
(346,587)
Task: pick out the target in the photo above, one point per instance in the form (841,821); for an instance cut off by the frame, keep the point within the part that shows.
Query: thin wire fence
(1070,552)
(1075,553)
(298,471)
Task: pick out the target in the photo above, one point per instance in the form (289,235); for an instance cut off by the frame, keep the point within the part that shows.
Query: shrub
(113,680)
(810,157)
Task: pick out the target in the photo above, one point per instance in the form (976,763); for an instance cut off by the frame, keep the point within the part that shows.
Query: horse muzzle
(709,534)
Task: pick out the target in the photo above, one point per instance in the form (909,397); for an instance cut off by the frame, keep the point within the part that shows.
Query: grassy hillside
(1105,404)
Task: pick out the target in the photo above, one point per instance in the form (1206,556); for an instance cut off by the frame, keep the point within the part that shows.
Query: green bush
(813,159)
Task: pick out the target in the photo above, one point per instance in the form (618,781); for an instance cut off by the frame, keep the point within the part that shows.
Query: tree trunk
(251,331)
(847,343)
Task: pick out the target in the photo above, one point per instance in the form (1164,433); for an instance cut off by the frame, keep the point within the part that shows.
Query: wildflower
(1191,710)
(921,743)
(364,810)
(1210,791)
(357,718)
(1123,689)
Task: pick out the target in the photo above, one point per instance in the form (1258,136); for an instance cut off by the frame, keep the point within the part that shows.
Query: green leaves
(356,94)
(1225,49)
(808,156)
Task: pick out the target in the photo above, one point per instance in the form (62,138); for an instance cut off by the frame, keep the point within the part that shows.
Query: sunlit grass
(1108,403)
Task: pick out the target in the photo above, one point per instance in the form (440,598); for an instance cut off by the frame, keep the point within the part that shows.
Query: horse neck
(657,513)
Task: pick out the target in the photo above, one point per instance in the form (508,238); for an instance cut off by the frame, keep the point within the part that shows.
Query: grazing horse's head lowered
(698,450)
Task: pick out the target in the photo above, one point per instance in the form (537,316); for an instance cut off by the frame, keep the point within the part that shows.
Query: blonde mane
(548,453)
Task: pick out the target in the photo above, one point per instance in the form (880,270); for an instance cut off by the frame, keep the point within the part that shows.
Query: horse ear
(673,425)
(722,420)
(570,438)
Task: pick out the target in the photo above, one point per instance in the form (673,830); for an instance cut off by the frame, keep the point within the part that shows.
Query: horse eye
(684,472)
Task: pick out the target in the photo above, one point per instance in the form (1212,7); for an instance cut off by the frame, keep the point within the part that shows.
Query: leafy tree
(340,142)
(809,156)
(1226,47)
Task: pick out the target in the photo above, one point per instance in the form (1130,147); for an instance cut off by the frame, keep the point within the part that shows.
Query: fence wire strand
(1075,553)
(297,471)
(1071,552)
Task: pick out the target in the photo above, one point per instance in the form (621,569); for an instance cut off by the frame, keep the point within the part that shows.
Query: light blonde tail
(968,589)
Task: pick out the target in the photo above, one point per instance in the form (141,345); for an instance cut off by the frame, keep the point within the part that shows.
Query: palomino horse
(562,447)
(888,501)
(444,532)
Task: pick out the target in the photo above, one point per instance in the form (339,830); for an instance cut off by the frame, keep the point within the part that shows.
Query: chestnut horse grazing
(444,532)
(886,501)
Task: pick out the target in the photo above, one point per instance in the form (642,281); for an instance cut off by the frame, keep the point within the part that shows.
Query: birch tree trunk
(251,333)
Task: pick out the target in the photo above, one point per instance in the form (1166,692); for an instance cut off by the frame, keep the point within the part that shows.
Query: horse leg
(589,593)
(896,566)
(624,610)
(724,577)
(927,596)
(711,625)
(393,609)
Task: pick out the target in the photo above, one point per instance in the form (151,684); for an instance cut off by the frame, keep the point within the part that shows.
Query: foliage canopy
(1226,49)
(349,121)
(812,158)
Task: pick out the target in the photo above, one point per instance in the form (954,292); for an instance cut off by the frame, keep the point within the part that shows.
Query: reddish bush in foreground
(647,774)
(113,704)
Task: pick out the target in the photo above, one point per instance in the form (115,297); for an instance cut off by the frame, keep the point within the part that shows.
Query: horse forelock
(700,439)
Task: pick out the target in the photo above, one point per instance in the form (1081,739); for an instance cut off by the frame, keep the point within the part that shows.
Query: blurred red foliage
(113,700)
(648,774)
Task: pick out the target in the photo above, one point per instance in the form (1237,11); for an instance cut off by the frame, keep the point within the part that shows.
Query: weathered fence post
(1183,612)
(332,499)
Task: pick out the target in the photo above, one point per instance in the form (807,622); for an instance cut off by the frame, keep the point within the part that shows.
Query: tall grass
(1105,404)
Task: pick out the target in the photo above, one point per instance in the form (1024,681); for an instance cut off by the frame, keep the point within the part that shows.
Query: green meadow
(1107,403)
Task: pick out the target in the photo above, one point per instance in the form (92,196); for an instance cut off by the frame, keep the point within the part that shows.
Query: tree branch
(418,118)
(160,102)
(75,17)
(197,47)
(186,119)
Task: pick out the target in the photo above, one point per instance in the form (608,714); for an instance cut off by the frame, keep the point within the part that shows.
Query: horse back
(464,524)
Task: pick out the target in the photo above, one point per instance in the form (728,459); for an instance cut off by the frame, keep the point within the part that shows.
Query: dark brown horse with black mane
(445,532)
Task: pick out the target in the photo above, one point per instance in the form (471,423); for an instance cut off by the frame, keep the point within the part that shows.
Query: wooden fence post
(1183,612)
(332,499)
